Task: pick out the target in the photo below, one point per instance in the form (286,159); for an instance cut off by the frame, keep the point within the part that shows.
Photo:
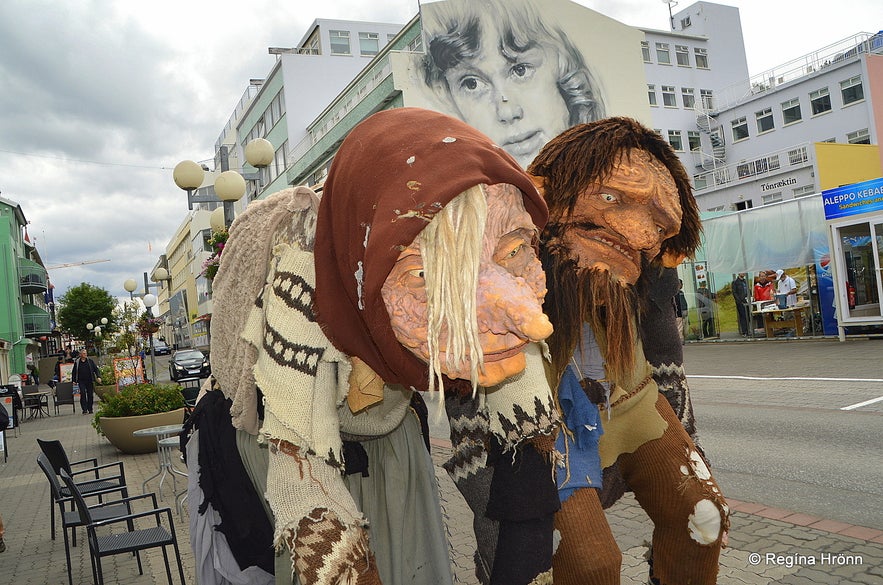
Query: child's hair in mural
(460,36)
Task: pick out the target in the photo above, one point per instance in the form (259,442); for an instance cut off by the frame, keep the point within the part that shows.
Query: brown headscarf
(390,177)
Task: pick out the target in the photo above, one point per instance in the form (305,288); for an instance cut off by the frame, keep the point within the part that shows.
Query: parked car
(160,348)
(189,363)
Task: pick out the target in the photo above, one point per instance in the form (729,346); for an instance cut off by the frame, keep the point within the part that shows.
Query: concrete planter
(118,430)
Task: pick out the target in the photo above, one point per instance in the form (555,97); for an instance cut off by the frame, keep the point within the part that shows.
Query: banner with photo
(128,370)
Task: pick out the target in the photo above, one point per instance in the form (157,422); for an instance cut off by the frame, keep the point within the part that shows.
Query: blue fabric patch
(582,459)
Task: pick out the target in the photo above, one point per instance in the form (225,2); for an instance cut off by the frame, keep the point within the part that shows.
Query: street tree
(84,304)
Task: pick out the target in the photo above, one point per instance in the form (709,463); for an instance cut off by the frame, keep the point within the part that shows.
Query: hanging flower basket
(217,241)
(147,326)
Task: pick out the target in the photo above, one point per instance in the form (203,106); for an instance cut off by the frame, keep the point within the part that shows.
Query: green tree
(84,304)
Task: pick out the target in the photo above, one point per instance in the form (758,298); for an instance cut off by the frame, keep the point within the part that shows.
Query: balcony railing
(36,321)
(797,156)
(32,277)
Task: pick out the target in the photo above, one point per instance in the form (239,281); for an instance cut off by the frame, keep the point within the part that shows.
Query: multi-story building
(24,283)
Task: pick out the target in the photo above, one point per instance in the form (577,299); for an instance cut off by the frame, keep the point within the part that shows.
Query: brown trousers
(669,480)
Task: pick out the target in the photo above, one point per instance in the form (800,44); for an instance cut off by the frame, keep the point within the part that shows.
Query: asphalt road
(771,418)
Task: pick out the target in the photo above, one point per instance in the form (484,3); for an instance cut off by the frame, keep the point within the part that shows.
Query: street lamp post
(149,301)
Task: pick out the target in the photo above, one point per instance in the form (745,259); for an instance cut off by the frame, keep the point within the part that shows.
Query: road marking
(860,404)
(788,378)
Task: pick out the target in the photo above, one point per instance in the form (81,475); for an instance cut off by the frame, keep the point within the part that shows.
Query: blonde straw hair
(451,248)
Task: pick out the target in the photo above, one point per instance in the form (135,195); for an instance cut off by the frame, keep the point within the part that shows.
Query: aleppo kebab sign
(853,199)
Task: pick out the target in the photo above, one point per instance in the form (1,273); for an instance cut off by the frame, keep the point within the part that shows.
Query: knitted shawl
(289,215)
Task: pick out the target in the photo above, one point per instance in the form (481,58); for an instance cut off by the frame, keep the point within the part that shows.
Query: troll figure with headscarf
(417,271)
(622,216)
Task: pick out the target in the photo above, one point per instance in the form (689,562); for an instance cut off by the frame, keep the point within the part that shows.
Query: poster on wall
(128,370)
(523,71)
(66,371)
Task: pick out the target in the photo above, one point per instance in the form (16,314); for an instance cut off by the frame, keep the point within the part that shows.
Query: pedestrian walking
(740,297)
(86,374)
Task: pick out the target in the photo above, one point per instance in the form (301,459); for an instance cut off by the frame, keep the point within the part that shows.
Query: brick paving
(766,545)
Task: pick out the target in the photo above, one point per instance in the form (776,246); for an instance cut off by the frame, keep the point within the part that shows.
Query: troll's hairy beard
(576,296)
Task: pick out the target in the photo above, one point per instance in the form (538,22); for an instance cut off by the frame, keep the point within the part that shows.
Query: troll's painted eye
(608,197)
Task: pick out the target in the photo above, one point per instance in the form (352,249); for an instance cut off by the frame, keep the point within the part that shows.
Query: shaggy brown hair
(583,155)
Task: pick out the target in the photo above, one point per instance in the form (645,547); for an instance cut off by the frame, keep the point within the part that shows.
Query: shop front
(854,217)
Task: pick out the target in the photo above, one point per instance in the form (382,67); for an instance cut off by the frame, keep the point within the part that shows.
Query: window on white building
(645,51)
(768,198)
(674,138)
(651,94)
(668,96)
(688,97)
(663,56)
(700,182)
(706,97)
(389,37)
(694,140)
(820,101)
(851,90)
(685,22)
(740,128)
(369,43)
(743,205)
(791,111)
(764,120)
(805,190)
(701,55)
(859,137)
(682,55)
(797,156)
(340,42)
(416,44)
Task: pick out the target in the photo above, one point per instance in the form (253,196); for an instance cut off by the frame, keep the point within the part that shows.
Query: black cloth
(225,484)
(680,304)
(523,499)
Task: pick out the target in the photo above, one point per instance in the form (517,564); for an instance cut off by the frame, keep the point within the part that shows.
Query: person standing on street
(740,297)
(86,374)
(681,310)
(785,285)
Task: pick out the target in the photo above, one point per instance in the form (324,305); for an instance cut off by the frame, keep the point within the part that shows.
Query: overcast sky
(100,99)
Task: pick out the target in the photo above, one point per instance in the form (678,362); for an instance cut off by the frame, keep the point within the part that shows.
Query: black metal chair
(58,458)
(64,394)
(132,540)
(104,511)
(38,403)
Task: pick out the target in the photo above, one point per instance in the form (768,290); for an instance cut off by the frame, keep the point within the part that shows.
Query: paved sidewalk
(793,549)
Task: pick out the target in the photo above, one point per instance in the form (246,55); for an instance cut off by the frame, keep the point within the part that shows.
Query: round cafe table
(166,442)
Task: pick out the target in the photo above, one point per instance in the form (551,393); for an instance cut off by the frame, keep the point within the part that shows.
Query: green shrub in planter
(106,373)
(137,399)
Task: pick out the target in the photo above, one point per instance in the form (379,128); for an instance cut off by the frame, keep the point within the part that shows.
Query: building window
(694,140)
(740,129)
(662,54)
(645,51)
(416,44)
(791,111)
(674,138)
(651,94)
(668,96)
(685,22)
(700,182)
(682,55)
(706,96)
(820,100)
(688,97)
(389,37)
(340,42)
(768,198)
(797,156)
(851,90)
(701,56)
(764,120)
(805,190)
(743,205)
(859,137)
(369,43)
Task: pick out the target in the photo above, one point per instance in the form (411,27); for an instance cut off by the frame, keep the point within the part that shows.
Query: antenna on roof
(671,18)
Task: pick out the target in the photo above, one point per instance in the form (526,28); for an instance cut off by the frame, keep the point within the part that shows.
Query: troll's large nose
(636,225)
(507,304)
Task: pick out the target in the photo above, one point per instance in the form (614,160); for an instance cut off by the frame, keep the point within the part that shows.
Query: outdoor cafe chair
(38,404)
(71,520)
(64,394)
(58,458)
(128,540)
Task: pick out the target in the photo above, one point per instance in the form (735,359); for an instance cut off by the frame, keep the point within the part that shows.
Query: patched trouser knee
(674,486)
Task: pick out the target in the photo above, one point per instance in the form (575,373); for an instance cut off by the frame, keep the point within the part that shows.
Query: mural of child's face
(512,97)
(511,288)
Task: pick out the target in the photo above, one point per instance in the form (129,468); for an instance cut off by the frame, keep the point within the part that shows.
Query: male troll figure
(622,216)
(418,270)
